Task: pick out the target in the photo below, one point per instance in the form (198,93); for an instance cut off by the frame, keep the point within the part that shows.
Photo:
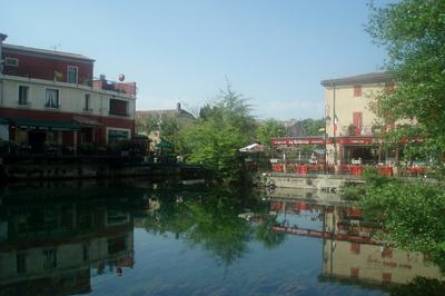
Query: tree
(269,129)
(413,33)
(224,127)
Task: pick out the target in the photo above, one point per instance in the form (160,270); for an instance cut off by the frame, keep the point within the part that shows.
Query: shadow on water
(74,238)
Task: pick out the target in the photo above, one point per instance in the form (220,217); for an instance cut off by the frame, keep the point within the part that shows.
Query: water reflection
(350,253)
(64,242)
(52,248)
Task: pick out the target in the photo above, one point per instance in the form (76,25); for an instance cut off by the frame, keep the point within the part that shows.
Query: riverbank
(69,168)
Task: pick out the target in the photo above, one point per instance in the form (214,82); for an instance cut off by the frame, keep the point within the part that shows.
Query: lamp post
(326,120)
(335,124)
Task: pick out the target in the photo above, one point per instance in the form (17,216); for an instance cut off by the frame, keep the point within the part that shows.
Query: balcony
(119,108)
(126,88)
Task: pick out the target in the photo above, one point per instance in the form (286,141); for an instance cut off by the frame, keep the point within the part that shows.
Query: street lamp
(326,120)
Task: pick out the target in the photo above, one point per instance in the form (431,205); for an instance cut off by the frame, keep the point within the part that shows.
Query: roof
(47,52)
(373,77)
(166,112)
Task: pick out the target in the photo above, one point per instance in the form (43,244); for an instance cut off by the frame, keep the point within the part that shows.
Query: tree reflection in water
(211,220)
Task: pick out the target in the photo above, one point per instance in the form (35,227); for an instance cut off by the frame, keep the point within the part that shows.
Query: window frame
(68,68)
(114,113)
(47,103)
(50,259)
(357,90)
(9,64)
(26,102)
(87,103)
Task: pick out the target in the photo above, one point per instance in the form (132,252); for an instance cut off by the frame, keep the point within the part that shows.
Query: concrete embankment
(90,169)
(329,183)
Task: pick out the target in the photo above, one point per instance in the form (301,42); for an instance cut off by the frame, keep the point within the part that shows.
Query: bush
(412,213)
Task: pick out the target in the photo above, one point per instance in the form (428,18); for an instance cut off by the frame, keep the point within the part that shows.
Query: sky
(273,52)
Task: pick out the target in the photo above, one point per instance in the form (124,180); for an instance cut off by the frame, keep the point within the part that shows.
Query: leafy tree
(269,129)
(312,127)
(223,128)
(413,33)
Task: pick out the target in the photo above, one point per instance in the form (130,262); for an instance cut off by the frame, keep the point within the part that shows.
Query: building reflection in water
(350,254)
(54,248)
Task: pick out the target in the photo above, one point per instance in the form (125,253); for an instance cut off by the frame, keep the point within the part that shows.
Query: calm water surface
(133,240)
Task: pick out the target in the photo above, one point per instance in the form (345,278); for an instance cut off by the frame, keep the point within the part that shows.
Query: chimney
(178,107)
(2,38)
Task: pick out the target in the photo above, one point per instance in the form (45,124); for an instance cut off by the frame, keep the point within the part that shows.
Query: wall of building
(71,97)
(346,104)
(71,104)
(375,264)
(44,67)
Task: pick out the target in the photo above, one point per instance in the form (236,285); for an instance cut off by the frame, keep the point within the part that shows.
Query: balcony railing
(127,88)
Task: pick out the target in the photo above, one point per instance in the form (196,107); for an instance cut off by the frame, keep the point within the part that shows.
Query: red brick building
(50,97)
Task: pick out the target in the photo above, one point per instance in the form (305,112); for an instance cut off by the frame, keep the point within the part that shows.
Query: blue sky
(272,51)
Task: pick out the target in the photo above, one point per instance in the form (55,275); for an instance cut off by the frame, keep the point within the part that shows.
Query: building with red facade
(50,97)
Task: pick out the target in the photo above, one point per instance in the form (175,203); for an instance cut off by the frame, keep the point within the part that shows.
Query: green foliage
(214,140)
(412,32)
(412,213)
(269,129)
(212,222)
(267,236)
(312,127)
(420,286)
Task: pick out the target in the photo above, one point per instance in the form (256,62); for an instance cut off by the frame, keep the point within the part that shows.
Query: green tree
(412,31)
(214,140)
(269,129)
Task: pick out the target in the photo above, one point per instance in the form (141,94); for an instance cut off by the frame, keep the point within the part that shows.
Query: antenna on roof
(56,46)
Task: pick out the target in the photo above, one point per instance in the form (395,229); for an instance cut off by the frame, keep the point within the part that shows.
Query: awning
(252,148)
(86,122)
(45,124)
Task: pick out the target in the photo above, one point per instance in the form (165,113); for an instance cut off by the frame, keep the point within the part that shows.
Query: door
(37,141)
(357,121)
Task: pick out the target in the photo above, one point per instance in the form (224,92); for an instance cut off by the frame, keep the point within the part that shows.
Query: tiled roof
(47,52)
(373,77)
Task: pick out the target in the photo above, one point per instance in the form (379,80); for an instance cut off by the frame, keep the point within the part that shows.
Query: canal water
(159,239)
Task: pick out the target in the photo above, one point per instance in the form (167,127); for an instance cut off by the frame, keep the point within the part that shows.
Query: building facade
(51,98)
(157,118)
(351,123)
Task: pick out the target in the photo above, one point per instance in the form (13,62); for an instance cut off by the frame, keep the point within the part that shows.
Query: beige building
(150,122)
(350,120)
(368,263)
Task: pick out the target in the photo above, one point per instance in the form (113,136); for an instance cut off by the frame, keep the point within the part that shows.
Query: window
(52,98)
(87,103)
(21,263)
(85,252)
(118,107)
(50,259)
(72,74)
(117,135)
(23,95)
(357,120)
(357,90)
(116,245)
(11,62)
